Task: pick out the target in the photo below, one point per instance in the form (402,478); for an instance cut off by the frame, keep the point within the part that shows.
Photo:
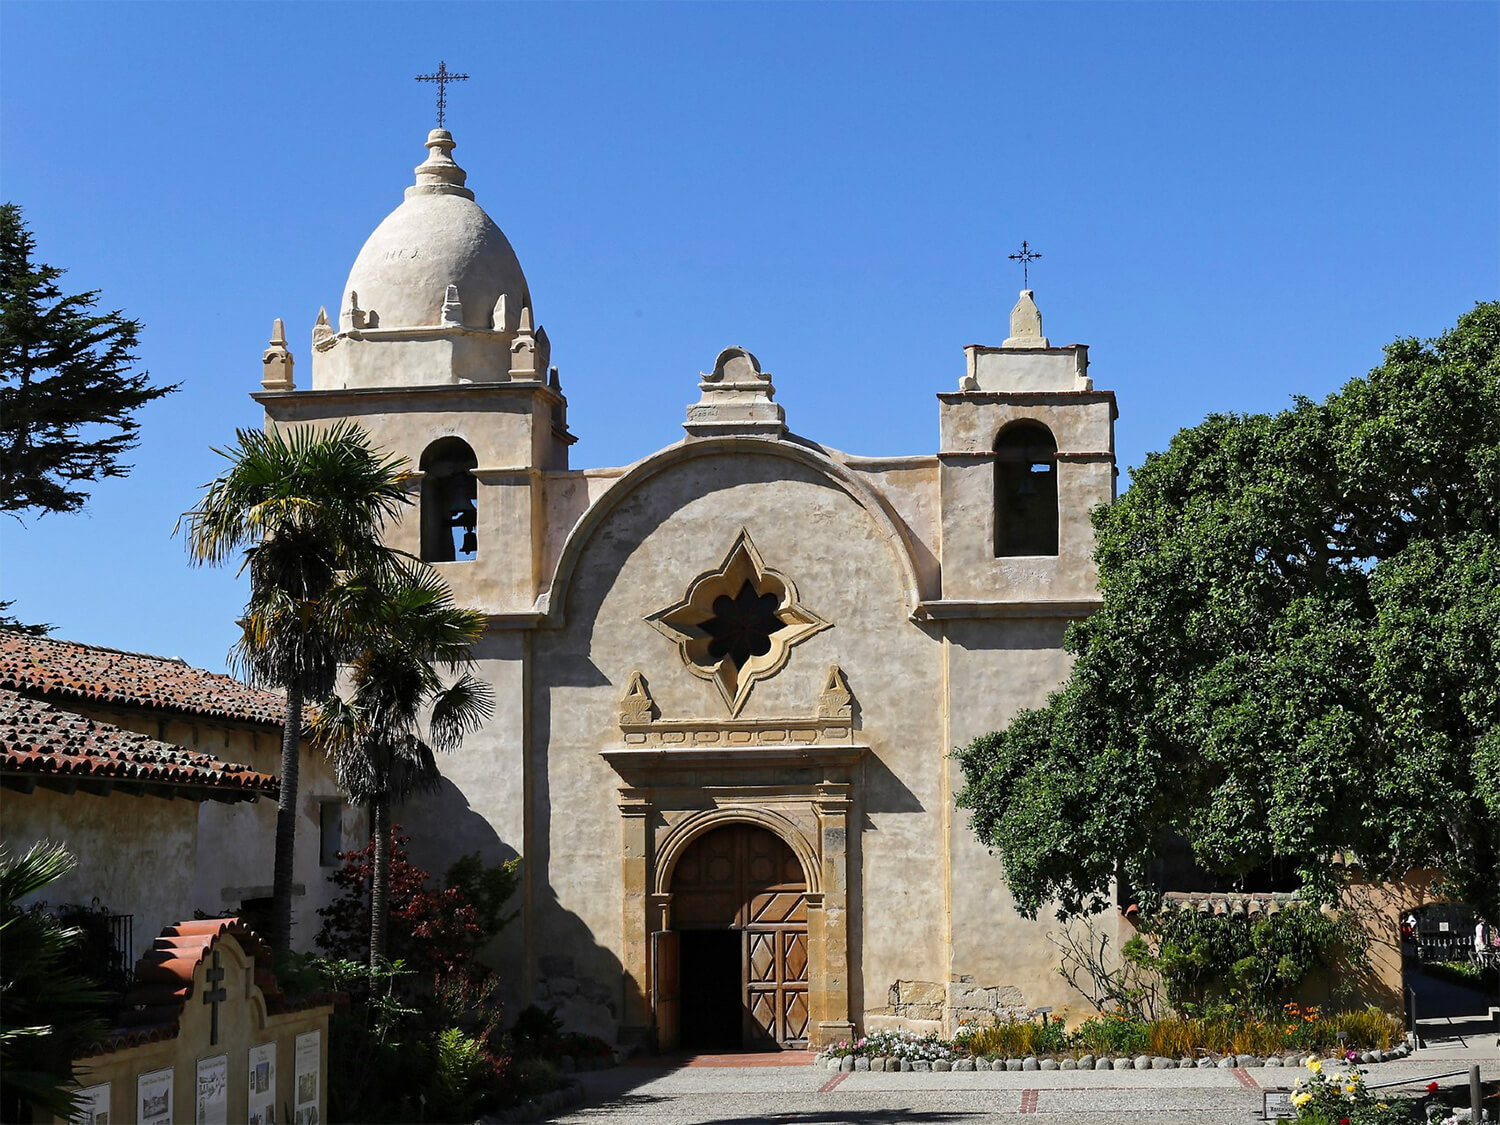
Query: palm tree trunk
(380,809)
(286,820)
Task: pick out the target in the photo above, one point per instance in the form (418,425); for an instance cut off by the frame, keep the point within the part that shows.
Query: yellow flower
(1315,1064)
(1301,1099)
(1351,1088)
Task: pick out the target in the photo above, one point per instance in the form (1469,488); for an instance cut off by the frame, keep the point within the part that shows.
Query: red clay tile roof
(164,982)
(70,670)
(38,740)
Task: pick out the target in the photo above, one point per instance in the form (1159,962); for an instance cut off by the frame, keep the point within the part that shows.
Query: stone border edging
(887,1064)
(537,1108)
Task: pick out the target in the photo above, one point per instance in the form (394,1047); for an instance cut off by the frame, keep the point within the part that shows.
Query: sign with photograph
(211,1094)
(308,1065)
(93,1106)
(261,1108)
(153,1097)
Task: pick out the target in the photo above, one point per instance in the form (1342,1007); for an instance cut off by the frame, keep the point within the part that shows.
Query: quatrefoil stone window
(738,624)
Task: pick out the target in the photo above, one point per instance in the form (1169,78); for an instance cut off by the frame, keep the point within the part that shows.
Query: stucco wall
(135,854)
(234,854)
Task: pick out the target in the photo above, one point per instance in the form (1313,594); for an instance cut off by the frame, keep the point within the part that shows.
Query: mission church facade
(728,677)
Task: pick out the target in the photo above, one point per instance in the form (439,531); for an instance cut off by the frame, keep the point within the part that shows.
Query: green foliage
(50,1010)
(458,1072)
(488,888)
(1256,964)
(68,389)
(1298,651)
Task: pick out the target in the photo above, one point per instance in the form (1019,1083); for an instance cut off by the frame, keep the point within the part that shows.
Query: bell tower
(1027,452)
(436,352)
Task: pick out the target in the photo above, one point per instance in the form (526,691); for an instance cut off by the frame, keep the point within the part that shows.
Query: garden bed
(1114,1042)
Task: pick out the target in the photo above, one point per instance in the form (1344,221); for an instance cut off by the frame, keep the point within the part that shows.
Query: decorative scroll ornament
(738,624)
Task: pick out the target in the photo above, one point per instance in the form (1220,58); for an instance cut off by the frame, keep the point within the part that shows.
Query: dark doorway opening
(712,986)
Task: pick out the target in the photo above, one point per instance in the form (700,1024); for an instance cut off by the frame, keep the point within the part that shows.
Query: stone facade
(746,628)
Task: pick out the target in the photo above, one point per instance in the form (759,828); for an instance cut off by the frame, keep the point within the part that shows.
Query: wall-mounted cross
(213,997)
(442,78)
(1026,255)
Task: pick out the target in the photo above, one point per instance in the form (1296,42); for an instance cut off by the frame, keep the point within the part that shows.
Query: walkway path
(723,1091)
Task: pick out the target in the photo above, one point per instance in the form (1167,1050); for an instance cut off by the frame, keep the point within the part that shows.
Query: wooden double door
(739,914)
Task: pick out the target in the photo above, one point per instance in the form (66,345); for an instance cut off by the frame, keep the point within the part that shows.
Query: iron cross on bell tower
(442,78)
(1026,255)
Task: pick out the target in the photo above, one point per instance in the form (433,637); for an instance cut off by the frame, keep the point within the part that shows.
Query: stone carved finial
(523,349)
(1026,324)
(353,316)
(453,308)
(322,330)
(835,701)
(439,174)
(276,362)
(736,397)
(637,708)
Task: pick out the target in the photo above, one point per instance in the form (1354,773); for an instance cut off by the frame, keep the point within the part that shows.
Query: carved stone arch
(553,603)
(682,835)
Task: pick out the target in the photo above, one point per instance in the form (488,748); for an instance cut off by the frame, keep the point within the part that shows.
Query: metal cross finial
(442,78)
(1026,256)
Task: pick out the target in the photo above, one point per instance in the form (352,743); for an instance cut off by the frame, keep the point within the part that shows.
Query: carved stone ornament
(738,624)
(637,708)
(836,701)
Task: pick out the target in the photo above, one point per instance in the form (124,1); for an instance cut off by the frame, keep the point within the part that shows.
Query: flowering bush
(898,1044)
(1340,1098)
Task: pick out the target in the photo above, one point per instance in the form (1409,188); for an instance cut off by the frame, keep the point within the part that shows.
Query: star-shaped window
(738,623)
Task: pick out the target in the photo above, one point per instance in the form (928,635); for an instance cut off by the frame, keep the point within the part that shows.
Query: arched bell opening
(739,939)
(449,510)
(1025,490)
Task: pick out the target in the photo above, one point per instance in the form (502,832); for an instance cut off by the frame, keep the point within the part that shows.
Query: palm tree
(413,661)
(306,507)
(51,1010)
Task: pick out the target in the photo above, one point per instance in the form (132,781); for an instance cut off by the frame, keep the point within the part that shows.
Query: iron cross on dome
(1026,255)
(442,77)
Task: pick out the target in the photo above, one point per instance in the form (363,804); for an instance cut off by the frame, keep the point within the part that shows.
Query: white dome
(438,237)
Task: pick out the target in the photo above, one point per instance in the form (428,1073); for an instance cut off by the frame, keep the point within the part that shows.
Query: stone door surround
(794,777)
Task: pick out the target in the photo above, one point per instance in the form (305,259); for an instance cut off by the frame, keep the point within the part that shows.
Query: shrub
(458,1072)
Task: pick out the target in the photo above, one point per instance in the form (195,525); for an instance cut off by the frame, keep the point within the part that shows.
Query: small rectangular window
(330,832)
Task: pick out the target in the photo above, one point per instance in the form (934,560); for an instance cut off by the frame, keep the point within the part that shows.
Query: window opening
(449,502)
(330,832)
(1025,491)
(741,626)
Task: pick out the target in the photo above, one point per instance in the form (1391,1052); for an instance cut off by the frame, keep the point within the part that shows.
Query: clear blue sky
(1235,204)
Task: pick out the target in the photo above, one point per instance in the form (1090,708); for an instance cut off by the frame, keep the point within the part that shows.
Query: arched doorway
(739,912)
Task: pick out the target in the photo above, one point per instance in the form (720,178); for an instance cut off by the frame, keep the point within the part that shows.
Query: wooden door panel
(745,878)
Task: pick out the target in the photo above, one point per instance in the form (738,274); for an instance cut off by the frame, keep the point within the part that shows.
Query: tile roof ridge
(122,652)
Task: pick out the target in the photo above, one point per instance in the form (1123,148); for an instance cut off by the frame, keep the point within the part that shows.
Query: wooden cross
(442,78)
(214,996)
(1025,256)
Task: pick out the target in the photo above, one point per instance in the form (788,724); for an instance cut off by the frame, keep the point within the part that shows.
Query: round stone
(906,1065)
(1012,1064)
(1184,1063)
(1086,1062)
(965,1065)
(1070,1064)
(861,1063)
(1273,1060)
(1205,1063)
(1226,1063)
(846,1063)
(1030,1063)
(1103,1064)
(941,1065)
(1143,1062)
(1050,1064)
(922,1065)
